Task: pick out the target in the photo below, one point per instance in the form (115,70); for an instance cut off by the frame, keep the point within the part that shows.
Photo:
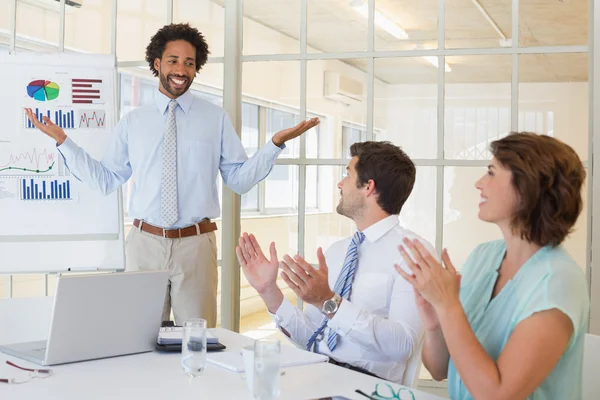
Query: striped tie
(343,287)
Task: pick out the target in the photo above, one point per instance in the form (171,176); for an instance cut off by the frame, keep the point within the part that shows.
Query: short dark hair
(547,176)
(392,170)
(171,33)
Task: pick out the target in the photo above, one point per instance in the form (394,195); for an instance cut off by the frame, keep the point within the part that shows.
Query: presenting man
(174,148)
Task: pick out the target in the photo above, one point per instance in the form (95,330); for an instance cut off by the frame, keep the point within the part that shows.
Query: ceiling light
(433,60)
(380,20)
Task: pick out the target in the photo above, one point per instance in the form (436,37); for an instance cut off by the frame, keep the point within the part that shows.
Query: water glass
(193,347)
(267,363)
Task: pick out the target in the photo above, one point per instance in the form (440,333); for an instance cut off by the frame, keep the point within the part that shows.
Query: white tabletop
(159,376)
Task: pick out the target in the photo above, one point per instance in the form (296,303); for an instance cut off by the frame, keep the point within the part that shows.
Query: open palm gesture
(260,272)
(47,126)
(290,133)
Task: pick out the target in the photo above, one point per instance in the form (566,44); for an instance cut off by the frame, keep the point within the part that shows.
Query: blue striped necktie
(343,287)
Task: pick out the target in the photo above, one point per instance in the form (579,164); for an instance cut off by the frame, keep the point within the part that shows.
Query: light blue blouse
(549,279)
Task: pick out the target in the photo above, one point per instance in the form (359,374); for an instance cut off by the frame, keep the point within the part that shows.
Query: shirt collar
(380,228)
(184,101)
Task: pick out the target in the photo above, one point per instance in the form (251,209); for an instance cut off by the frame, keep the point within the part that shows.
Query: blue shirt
(206,143)
(549,279)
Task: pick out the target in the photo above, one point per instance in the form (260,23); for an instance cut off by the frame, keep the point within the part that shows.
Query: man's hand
(50,129)
(287,134)
(260,272)
(311,285)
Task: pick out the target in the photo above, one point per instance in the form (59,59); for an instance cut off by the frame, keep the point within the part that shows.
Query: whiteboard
(50,221)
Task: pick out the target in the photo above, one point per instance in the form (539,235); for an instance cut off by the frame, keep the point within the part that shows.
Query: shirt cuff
(344,319)
(284,313)
(67,148)
(275,150)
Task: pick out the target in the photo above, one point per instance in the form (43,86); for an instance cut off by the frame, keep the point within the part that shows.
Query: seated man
(359,312)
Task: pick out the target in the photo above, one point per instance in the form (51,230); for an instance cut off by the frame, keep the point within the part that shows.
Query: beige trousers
(192,263)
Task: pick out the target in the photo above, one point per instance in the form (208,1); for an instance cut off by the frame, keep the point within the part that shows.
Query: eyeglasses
(33,373)
(384,391)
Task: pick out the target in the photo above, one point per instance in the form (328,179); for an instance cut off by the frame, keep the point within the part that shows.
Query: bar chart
(45,189)
(63,118)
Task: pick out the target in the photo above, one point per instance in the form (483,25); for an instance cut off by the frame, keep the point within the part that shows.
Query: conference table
(159,376)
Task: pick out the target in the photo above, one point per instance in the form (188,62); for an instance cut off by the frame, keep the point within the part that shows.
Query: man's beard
(166,84)
(353,211)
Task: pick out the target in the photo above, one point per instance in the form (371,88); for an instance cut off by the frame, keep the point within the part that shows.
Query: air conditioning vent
(341,88)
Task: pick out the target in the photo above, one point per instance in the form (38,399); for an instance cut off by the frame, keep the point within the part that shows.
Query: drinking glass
(267,362)
(193,347)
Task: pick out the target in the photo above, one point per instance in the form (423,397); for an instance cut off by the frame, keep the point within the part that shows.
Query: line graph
(92,119)
(34,161)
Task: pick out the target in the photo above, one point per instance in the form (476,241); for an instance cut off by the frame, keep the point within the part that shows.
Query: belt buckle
(166,230)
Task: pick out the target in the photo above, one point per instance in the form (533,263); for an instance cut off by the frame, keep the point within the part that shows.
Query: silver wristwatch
(330,306)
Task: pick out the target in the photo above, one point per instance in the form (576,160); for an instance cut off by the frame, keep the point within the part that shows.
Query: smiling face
(352,200)
(176,68)
(498,200)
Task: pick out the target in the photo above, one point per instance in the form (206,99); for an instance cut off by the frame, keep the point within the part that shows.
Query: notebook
(169,335)
(290,357)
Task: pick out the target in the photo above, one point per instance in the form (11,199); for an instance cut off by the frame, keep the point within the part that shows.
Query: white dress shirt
(206,144)
(379,326)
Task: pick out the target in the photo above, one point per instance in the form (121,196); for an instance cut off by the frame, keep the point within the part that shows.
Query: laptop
(100,315)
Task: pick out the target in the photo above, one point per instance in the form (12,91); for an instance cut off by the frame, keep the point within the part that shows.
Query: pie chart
(42,90)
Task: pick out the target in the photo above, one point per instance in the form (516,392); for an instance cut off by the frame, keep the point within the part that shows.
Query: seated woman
(512,327)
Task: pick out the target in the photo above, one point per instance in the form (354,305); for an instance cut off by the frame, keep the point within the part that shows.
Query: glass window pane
(336,89)
(406,24)
(406,104)
(280,98)
(136,92)
(3,286)
(250,200)
(553,23)
(283,230)
(315,201)
(337,26)
(271,27)
(553,97)
(351,135)
(461,207)
(471,24)
(250,128)
(137,22)
(312,137)
(88,28)
(28,285)
(477,109)
(418,213)
(4,28)
(37,26)
(205,15)
(576,242)
(281,189)
(326,227)
(279,120)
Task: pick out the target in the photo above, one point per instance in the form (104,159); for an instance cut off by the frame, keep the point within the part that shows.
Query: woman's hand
(438,286)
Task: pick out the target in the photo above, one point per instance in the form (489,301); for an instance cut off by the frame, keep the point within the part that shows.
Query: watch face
(329,306)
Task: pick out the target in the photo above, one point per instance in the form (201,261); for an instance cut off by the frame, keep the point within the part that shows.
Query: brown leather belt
(204,226)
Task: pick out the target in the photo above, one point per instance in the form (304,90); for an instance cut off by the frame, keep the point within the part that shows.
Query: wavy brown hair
(171,33)
(392,170)
(547,176)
